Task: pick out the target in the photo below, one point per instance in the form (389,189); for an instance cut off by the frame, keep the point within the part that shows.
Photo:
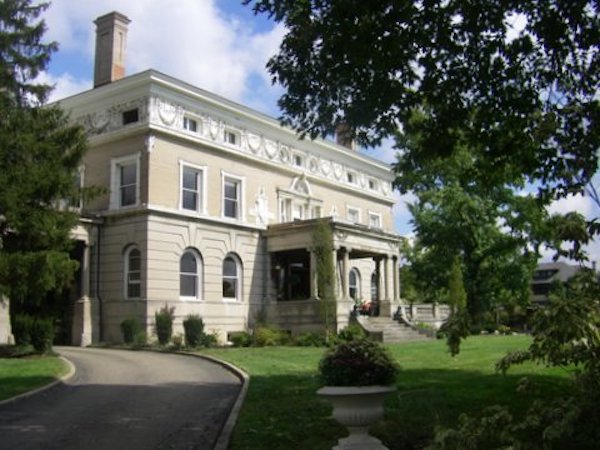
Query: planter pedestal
(357,408)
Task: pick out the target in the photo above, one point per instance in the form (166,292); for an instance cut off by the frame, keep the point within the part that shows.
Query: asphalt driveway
(124,400)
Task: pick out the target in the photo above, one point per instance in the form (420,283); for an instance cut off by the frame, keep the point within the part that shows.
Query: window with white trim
(372,184)
(232,189)
(232,275)
(351,177)
(190,124)
(298,160)
(374,220)
(133,272)
(125,176)
(353,214)
(193,190)
(190,275)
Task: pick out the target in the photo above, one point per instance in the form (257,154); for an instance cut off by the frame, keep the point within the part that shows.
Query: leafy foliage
(39,154)
(193,327)
(359,362)
(164,324)
(130,328)
(322,246)
(565,333)
(517,79)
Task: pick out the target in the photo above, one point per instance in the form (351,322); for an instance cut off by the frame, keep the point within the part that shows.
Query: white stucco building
(209,207)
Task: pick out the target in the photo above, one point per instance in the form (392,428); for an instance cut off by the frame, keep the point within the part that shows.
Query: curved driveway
(124,400)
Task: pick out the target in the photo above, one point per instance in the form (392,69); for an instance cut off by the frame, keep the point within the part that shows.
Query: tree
(40,154)
(518,79)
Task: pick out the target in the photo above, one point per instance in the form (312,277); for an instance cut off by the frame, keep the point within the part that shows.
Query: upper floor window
(231,278)
(192,188)
(231,137)
(133,270)
(190,275)
(298,161)
(232,197)
(353,214)
(190,124)
(374,220)
(372,184)
(351,177)
(125,181)
(130,116)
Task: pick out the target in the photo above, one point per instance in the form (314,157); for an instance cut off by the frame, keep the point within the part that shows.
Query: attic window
(231,137)
(372,184)
(130,116)
(190,124)
(298,161)
(351,177)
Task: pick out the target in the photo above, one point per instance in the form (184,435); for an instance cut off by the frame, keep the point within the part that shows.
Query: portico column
(396,277)
(378,277)
(314,287)
(83,309)
(336,284)
(346,274)
(386,277)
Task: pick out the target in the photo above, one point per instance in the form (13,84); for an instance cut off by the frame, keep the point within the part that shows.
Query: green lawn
(18,375)
(282,410)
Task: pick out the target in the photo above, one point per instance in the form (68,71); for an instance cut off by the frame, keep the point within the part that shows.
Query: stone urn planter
(357,408)
(357,375)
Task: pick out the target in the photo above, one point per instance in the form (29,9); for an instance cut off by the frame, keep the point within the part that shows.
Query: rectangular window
(130,116)
(190,124)
(372,184)
(351,177)
(231,137)
(125,189)
(298,161)
(353,215)
(127,184)
(231,198)
(298,211)
(192,188)
(374,220)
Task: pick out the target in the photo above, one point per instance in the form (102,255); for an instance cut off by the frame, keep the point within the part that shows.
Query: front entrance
(291,274)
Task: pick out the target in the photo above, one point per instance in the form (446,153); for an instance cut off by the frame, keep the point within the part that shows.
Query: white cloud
(64,85)
(192,40)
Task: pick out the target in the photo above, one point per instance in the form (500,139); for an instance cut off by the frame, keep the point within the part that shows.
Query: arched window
(133,271)
(354,283)
(190,275)
(231,278)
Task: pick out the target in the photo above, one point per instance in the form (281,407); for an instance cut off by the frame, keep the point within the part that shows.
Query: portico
(292,290)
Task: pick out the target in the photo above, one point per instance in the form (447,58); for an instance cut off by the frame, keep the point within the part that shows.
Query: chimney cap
(113,16)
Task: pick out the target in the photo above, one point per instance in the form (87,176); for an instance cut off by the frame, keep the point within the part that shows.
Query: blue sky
(217,45)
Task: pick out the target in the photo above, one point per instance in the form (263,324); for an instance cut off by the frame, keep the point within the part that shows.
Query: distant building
(546,274)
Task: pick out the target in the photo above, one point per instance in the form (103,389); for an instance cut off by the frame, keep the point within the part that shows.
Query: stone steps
(390,331)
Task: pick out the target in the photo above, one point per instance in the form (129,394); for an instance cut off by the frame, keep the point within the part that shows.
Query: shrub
(21,329)
(310,340)
(210,340)
(240,339)
(352,332)
(42,334)
(193,327)
(269,336)
(357,363)
(129,329)
(164,324)
(178,341)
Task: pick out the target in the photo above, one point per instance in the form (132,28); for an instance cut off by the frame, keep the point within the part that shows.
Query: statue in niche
(261,207)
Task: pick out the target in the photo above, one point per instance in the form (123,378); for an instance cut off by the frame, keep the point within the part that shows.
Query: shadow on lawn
(283,412)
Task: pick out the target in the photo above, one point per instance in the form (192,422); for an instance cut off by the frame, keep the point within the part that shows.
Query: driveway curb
(225,434)
(50,385)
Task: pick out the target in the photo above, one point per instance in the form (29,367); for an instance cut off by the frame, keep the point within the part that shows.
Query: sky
(217,45)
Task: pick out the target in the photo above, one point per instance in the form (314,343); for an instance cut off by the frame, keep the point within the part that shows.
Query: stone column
(336,277)
(396,278)
(346,275)
(385,305)
(82,317)
(314,287)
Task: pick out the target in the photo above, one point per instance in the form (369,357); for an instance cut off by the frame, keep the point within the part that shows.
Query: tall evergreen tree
(40,153)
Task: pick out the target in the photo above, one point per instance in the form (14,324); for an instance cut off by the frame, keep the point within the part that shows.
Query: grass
(22,374)
(282,411)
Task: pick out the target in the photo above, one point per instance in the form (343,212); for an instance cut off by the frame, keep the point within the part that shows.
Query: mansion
(210,207)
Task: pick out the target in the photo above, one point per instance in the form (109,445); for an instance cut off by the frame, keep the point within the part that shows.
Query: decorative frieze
(209,128)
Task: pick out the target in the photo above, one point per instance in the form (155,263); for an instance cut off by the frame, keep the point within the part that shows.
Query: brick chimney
(111,40)
(343,136)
